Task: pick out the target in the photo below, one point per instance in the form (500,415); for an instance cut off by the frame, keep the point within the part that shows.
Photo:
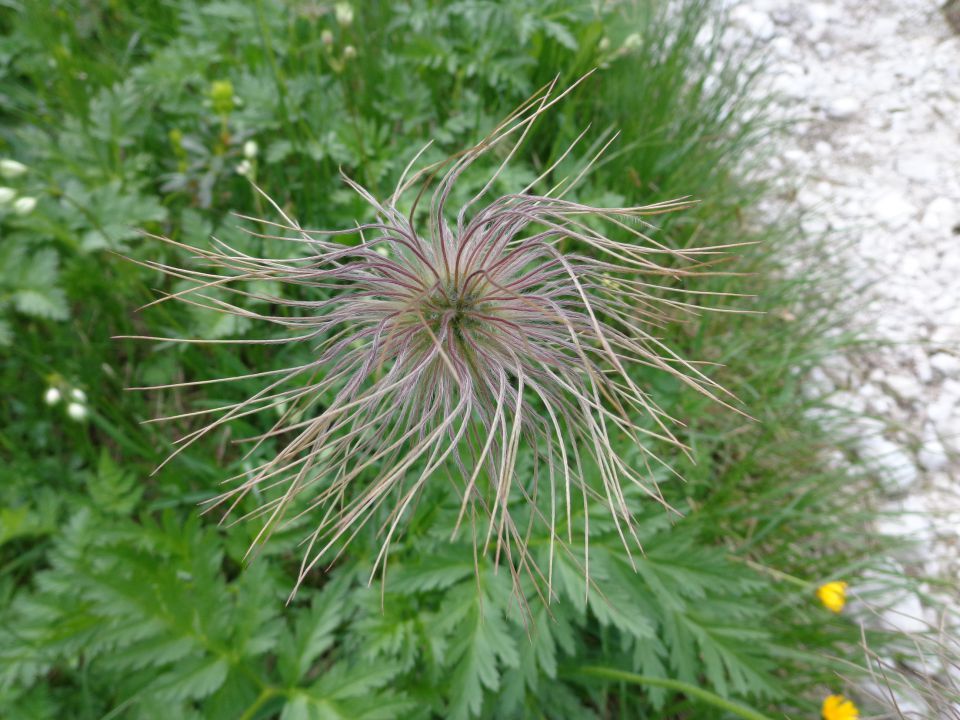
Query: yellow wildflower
(833,595)
(837,707)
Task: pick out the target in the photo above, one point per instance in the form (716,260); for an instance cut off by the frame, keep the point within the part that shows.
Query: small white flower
(77,411)
(79,395)
(51,396)
(632,42)
(244,168)
(6,195)
(604,44)
(326,37)
(24,205)
(349,52)
(344,13)
(11,168)
(250,149)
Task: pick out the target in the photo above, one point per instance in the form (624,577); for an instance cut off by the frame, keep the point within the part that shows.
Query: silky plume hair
(447,351)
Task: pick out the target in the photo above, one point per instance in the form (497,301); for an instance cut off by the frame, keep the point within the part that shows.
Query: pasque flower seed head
(452,348)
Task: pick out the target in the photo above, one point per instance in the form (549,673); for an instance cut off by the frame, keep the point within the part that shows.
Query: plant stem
(685,688)
(806,585)
(278,76)
(265,694)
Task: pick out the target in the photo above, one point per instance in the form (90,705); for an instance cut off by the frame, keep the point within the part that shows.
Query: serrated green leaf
(349,692)
(40,271)
(152,652)
(481,646)
(192,680)
(49,303)
(300,707)
(313,632)
(648,659)
(278,151)
(730,654)
(434,572)
(560,33)
(113,489)
(343,682)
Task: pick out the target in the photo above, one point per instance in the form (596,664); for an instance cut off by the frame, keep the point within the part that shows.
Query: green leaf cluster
(120,599)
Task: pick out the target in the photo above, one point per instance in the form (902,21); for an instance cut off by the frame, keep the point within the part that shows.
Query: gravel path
(875,161)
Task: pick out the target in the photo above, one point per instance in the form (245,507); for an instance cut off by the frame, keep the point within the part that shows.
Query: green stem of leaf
(265,695)
(682,687)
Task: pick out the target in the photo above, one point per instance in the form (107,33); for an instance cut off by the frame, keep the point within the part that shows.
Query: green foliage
(29,284)
(118,599)
(144,615)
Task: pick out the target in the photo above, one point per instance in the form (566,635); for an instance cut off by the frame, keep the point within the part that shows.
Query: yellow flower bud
(221,94)
(833,595)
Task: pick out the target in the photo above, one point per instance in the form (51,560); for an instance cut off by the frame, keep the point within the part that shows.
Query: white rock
(849,401)
(893,208)
(932,455)
(783,16)
(910,705)
(754,22)
(817,383)
(946,407)
(814,225)
(824,50)
(922,367)
(796,156)
(945,335)
(842,108)
(890,460)
(791,86)
(940,214)
(781,46)
(945,364)
(820,13)
(905,525)
(809,198)
(906,387)
(944,413)
(905,615)
(883,27)
(911,266)
(920,168)
(816,32)
(823,148)
(882,405)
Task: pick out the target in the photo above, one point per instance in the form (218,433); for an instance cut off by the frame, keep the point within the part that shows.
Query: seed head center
(454,307)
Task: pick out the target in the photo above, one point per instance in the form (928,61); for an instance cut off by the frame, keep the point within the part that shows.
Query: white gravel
(874,160)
